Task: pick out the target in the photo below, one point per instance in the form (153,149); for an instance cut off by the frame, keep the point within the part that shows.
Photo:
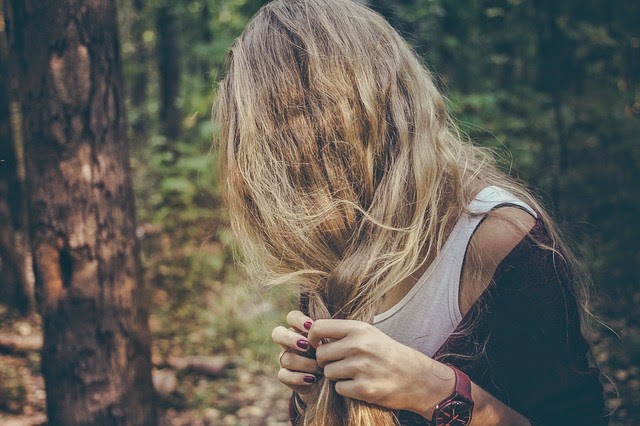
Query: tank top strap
(492,196)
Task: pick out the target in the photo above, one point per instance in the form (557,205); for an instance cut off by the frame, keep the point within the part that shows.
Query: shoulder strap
(492,196)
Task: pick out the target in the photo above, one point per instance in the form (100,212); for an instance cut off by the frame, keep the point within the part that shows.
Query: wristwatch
(455,410)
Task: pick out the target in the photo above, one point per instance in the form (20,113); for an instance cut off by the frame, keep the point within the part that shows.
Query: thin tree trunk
(563,155)
(554,77)
(14,279)
(96,353)
(169,70)
(206,38)
(138,85)
(10,259)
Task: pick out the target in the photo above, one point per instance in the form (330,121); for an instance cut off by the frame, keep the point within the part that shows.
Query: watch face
(456,413)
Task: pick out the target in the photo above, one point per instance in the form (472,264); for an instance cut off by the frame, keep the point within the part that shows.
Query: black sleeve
(533,355)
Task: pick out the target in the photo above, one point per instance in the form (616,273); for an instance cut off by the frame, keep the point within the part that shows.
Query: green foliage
(556,83)
(199,304)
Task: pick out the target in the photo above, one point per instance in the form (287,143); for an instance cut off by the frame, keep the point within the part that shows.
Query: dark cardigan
(521,342)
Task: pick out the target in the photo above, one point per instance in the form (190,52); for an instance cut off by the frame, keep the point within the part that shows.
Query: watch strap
(463,384)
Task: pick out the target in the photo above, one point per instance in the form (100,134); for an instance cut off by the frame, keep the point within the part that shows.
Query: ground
(212,317)
(245,393)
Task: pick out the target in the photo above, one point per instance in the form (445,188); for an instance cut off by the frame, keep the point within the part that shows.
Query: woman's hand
(368,365)
(297,371)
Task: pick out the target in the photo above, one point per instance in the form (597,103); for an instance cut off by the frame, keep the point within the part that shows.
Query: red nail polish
(307,325)
(309,379)
(303,344)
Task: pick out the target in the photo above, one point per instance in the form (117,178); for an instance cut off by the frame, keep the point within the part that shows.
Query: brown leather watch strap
(457,409)
(463,383)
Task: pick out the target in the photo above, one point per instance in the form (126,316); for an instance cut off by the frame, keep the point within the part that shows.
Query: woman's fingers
(348,388)
(340,370)
(296,379)
(333,329)
(290,339)
(299,321)
(298,363)
(299,370)
(332,352)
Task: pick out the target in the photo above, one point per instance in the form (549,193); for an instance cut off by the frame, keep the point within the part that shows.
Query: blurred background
(552,85)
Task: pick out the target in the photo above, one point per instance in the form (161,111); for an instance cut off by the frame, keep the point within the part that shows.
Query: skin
(368,365)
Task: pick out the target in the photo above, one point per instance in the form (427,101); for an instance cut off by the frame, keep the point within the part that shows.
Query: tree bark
(96,354)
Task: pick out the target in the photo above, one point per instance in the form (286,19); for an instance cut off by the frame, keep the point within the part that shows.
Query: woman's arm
(368,365)
(494,238)
(527,323)
(419,386)
(526,358)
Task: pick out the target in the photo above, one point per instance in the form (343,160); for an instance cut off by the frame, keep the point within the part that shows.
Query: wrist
(437,383)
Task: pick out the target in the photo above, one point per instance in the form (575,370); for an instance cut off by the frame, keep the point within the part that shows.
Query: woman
(434,288)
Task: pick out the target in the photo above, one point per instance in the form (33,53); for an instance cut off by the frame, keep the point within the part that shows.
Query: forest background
(552,85)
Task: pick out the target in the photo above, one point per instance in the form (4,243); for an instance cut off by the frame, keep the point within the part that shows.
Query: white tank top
(430,312)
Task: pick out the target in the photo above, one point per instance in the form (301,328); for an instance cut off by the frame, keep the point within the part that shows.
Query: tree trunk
(96,353)
(206,38)
(169,70)
(14,285)
(555,78)
(11,280)
(140,75)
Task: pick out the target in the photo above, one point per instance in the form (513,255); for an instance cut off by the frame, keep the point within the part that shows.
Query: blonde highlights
(341,168)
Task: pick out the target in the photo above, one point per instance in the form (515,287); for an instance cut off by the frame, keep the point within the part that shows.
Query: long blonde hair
(340,165)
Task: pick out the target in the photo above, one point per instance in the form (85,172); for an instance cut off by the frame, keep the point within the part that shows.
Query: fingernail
(303,344)
(309,379)
(307,325)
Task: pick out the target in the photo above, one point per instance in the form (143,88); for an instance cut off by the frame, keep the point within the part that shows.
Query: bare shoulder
(497,235)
